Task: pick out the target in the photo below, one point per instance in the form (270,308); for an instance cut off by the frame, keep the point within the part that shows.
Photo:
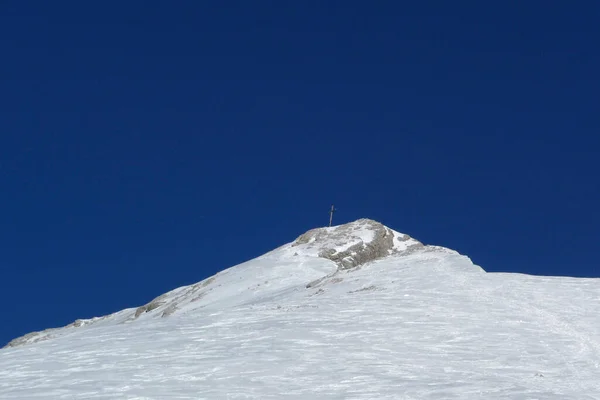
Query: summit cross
(331,214)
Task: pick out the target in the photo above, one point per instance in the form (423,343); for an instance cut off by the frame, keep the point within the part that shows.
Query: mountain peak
(316,255)
(356,310)
(355,243)
(351,309)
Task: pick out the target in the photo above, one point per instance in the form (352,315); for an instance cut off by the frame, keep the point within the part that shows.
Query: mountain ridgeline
(356,311)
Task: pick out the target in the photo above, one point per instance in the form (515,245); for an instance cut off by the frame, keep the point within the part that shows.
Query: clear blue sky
(148,145)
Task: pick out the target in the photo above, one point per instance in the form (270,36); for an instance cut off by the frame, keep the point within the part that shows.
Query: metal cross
(331,214)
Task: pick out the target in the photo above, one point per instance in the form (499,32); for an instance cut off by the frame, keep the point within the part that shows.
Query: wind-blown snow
(420,323)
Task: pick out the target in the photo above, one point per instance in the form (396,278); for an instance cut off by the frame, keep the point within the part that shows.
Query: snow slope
(357,311)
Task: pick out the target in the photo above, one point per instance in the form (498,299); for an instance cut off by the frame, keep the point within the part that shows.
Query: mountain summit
(295,264)
(356,311)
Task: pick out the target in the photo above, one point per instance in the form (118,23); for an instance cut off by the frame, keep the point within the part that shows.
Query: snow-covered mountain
(357,311)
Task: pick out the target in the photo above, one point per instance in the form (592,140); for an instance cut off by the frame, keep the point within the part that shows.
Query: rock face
(29,338)
(41,336)
(357,243)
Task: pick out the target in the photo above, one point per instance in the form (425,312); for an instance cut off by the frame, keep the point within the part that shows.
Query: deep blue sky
(148,145)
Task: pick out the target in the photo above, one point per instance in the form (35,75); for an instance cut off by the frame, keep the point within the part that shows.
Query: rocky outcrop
(153,305)
(357,243)
(168,303)
(361,253)
(352,245)
(32,337)
(47,334)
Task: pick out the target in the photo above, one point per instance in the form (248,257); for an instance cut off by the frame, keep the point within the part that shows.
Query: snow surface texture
(357,311)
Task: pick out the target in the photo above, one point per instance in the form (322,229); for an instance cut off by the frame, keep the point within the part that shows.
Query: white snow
(422,324)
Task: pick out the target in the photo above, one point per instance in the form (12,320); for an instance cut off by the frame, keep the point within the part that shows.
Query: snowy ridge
(357,311)
(294,264)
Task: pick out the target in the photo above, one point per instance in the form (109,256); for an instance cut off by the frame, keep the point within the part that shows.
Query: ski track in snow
(421,325)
